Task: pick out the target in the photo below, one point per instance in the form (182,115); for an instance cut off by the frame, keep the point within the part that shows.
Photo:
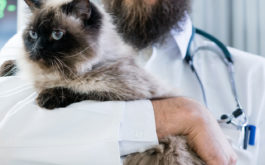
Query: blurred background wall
(8,20)
(237,23)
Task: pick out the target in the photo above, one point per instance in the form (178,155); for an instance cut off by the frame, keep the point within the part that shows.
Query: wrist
(178,116)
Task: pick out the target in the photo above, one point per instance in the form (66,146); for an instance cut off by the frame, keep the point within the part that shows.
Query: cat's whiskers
(77,54)
(76,76)
(60,72)
(67,67)
(60,68)
(64,66)
(54,64)
(29,52)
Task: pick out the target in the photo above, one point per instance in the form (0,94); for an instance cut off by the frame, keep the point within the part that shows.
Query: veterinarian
(29,135)
(165,26)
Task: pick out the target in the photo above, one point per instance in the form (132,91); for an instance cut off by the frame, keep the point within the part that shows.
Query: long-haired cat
(73,53)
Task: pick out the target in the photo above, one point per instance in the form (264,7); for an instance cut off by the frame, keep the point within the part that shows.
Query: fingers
(182,116)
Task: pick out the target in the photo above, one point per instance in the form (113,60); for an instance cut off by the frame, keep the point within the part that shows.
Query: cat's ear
(79,8)
(33,4)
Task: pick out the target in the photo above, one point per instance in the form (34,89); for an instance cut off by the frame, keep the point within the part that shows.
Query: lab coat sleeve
(82,133)
(138,128)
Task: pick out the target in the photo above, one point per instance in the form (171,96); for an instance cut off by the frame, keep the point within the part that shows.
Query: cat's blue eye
(57,35)
(33,34)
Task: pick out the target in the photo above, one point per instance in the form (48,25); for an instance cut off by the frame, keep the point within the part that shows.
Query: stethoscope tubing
(227,58)
(229,62)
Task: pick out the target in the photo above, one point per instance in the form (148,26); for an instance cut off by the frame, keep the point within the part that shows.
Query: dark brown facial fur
(74,46)
(142,24)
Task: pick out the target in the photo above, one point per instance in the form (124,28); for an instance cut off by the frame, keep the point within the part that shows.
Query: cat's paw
(8,68)
(53,98)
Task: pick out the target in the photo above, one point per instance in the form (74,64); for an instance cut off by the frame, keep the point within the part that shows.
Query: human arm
(182,116)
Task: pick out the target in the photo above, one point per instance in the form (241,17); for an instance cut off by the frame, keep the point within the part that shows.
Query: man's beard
(142,25)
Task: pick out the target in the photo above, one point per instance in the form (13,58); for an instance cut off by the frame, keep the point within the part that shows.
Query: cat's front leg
(8,68)
(58,97)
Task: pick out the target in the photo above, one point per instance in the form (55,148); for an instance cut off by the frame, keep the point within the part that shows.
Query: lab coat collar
(182,37)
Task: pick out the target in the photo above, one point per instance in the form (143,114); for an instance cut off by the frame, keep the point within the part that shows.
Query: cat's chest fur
(44,78)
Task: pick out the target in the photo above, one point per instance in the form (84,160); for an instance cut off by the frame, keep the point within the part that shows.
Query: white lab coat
(84,133)
(167,64)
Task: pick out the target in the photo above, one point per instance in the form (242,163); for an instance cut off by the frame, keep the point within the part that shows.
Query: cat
(73,53)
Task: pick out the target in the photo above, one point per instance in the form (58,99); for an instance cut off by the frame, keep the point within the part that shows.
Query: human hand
(183,116)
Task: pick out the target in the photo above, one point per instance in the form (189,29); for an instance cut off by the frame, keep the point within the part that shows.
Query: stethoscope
(238,118)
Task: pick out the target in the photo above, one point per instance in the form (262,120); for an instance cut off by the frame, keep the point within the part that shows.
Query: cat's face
(60,36)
